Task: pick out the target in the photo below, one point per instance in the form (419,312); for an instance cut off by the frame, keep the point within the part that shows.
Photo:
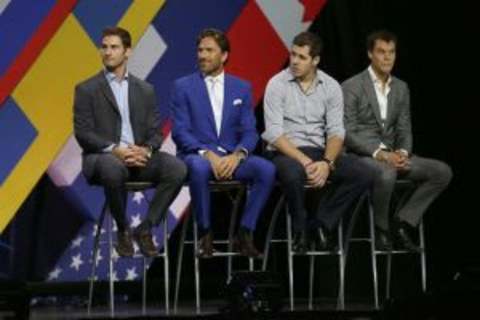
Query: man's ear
(224,57)
(316,61)
(128,52)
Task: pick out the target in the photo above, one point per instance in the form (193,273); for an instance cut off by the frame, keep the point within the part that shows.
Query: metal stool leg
(341,269)
(110,267)
(389,275)
(231,230)
(181,245)
(197,266)
(373,254)
(423,258)
(144,287)
(290,260)
(166,266)
(271,230)
(311,282)
(94,258)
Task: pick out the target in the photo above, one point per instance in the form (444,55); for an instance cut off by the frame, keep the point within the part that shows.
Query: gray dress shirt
(307,119)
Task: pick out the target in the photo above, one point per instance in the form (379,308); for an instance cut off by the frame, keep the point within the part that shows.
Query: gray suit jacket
(363,124)
(97,121)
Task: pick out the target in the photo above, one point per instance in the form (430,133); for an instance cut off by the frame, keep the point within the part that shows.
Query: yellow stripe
(45,94)
(138,11)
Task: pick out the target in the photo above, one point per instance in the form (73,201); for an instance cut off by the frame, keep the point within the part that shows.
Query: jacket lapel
(204,101)
(107,91)
(132,105)
(227,103)
(391,102)
(372,96)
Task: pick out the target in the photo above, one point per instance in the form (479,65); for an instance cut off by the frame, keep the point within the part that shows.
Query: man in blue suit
(214,129)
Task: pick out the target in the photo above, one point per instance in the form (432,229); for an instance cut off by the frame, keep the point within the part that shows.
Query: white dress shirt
(215,88)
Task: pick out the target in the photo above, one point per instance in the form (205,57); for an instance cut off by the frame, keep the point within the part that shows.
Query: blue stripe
(95,15)
(179,24)
(16,135)
(18,23)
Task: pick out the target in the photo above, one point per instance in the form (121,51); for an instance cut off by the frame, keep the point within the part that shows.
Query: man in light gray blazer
(116,123)
(378,129)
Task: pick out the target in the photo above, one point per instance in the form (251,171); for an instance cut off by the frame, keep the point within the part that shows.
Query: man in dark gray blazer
(116,123)
(378,125)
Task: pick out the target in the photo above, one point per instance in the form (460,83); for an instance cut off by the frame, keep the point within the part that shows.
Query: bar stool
(129,187)
(235,190)
(402,192)
(341,252)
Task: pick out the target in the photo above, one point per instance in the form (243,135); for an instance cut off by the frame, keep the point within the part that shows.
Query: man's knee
(111,172)
(199,169)
(293,174)
(442,173)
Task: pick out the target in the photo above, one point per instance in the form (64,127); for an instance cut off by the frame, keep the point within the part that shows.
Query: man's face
(210,57)
(114,54)
(301,63)
(382,56)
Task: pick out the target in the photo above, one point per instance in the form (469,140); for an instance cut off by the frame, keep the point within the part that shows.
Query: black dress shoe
(143,237)
(299,244)
(205,246)
(124,246)
(382,240)
(403,237)
(244,244)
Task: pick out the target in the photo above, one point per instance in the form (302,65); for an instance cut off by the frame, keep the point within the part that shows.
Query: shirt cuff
(109,148)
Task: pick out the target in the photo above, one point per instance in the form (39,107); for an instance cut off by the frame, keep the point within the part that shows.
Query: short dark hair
(384,35)
(120,32)
(312,40)
(217,35)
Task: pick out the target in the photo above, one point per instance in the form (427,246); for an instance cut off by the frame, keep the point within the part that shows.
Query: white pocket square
(237,102)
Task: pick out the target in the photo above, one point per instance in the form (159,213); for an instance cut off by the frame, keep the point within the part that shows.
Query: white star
(115,255)
(99,258)
(54,274)
(138,197)
(94,231)
(131,274)
(136,248)
(77,242)
(114,276)
(135,220)
(76,262)
(154,239)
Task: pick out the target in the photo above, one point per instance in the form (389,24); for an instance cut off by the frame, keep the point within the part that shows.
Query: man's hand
(140,157)
(230,164)
(215,163)
(396,159)
(317,173)
(132,155)
(223,167)
(404,160)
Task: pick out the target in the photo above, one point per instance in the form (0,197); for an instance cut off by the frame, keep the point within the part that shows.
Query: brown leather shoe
(205,246)
(244,244)
(145,242)
(124,246)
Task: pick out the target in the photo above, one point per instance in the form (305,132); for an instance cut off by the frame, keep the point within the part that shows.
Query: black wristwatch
(331,163)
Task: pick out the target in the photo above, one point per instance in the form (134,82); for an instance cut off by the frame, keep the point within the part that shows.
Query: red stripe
(35,45)
(257,50)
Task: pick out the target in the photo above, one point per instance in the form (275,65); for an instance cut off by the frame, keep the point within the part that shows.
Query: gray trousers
(165,170)
(431,176)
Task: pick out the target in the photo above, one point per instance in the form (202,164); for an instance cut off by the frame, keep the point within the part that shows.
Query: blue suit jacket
(194,124)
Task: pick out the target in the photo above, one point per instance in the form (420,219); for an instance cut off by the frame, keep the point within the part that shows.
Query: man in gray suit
(378,125)
(116,123)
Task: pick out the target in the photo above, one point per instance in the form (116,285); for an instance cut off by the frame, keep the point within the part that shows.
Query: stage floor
(210,310)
